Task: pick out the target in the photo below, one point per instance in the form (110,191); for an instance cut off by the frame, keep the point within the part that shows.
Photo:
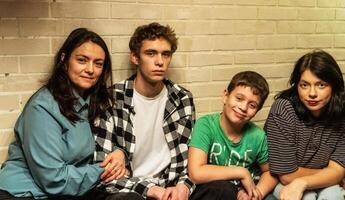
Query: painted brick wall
(217,38)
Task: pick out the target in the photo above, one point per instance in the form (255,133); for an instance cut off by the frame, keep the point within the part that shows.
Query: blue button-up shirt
(50,156)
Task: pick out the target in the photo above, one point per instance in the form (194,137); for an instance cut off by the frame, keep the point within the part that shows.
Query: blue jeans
(270,197)
(329,193)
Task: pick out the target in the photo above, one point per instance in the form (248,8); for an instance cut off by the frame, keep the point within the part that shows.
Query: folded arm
(300,172)
(267,182)
(330,175)
(201,172)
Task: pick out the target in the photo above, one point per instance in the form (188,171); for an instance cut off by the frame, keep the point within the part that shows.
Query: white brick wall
(217,38)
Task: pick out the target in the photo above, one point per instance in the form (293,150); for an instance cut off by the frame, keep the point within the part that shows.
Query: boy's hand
(156,192)
(114,166)
(179,192)
(248,184)
(182,191)
(257,195)
(242,195)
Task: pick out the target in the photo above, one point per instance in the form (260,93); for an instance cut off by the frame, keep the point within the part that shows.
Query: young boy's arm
(267,182)
(201,172)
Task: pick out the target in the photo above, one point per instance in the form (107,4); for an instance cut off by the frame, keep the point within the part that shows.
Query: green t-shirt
(250,152)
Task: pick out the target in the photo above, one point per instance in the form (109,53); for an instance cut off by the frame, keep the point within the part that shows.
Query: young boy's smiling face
(240,105)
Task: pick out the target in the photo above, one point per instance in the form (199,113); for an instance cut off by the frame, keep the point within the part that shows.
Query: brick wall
(217,38)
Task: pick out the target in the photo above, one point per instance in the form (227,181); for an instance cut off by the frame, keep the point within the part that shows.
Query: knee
(330,193)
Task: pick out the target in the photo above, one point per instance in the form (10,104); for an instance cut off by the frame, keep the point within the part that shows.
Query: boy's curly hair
(152,31)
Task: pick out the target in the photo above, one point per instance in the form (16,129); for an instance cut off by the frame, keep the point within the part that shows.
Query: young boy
(227,151)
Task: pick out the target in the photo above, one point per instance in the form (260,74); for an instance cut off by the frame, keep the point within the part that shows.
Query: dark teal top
(50,156)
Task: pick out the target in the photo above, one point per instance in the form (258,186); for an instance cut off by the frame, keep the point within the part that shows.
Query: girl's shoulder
(282,106)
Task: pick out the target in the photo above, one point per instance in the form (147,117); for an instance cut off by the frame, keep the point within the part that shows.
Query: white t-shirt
(151,153)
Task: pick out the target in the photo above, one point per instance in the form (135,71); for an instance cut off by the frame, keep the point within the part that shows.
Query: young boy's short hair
(152,31)
(253,80)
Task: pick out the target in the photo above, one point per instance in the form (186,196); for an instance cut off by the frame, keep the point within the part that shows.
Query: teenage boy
(227,151)
(151,121)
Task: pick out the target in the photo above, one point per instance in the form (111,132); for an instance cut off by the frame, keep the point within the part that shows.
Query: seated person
(152,121)
(52,154)
(306,131)
(227,151)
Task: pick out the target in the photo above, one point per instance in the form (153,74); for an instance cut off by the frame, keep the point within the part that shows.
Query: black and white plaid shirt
(115,129)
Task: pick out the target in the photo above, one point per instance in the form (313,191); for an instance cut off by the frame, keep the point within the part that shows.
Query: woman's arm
(330,175)
(300,172)
(43,144)
(267,182)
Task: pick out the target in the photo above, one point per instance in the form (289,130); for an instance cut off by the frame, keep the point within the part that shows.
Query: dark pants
(216,190)
(102,195)
(92,195)
(270,197)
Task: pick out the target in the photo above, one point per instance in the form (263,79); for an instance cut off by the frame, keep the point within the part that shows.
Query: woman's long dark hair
(61,87)
(323,65)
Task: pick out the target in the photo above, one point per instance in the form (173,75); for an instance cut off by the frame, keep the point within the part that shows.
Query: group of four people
(81,137)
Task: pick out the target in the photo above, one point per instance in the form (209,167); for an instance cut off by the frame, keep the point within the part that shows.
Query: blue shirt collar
(82,103)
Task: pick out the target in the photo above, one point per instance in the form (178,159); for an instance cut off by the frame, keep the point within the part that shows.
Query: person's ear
(62,60)
(134,58)
(62,57)
(225,95)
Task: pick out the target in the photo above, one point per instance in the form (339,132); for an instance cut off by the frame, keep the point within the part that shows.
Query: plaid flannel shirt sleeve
(185,137)
(105,142)
(179,126)
(128,184)
(184,178)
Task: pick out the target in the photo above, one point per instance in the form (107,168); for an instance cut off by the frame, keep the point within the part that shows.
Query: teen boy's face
(240,105)
(313,92)
(153,60)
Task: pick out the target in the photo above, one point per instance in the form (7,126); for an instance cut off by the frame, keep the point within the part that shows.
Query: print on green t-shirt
(250,152)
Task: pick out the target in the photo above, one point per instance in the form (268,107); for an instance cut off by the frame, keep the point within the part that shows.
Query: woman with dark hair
(306,131)
(53,151)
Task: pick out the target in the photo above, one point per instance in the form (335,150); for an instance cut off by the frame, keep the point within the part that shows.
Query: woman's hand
(114,166)
(293,191)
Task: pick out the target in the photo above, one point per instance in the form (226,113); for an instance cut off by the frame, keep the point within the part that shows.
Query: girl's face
(314,92)
(85,66)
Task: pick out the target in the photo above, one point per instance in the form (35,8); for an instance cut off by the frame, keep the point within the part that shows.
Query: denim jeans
(333,192)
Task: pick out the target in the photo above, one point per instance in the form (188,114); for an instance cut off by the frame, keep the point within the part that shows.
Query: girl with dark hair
(53,151)
(306,131)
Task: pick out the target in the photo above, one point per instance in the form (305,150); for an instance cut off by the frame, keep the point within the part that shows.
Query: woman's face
(85,66)
(314,92)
